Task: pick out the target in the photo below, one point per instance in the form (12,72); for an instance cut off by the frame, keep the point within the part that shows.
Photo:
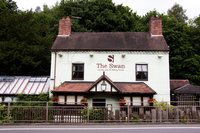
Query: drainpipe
(54,84)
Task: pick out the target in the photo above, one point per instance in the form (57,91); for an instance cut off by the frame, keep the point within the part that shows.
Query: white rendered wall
(158,68)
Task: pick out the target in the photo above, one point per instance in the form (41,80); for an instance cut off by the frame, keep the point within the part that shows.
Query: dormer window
(77,71)
(141,72)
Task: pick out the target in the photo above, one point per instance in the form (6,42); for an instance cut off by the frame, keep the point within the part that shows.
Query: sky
(140,6)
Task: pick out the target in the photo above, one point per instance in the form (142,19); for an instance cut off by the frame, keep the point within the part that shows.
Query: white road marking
(78,128)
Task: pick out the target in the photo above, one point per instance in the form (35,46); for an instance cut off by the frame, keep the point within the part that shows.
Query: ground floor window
(98,102)
(70,99)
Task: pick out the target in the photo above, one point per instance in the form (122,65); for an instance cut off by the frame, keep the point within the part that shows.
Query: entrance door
(99,102)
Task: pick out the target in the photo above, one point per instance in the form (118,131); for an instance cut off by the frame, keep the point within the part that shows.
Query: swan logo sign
(111,66)
(111,58)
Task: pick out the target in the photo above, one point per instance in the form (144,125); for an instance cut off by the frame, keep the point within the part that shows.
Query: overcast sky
(139,6)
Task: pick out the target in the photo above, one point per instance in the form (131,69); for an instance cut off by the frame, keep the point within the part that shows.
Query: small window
(61,99)
(136,101)
(99,102)
(141,72)
(77,71)
(70,99)
(145,101)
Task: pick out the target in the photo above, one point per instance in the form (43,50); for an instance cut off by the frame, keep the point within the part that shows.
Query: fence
(47,113)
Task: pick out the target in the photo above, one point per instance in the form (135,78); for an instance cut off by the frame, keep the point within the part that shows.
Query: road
(101,129)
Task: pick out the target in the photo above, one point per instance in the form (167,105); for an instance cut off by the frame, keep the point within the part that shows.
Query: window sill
(141,79)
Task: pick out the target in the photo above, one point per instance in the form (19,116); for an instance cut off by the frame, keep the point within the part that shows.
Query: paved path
(101,129)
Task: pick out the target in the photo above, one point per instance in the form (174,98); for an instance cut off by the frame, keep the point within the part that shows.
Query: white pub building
(106,67)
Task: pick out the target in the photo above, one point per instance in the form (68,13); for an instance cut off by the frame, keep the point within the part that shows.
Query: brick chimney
(64,26)
(155,26)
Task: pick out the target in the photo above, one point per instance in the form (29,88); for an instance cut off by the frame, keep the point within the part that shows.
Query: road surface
(101,129)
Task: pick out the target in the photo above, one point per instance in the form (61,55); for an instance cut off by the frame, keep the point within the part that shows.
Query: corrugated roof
(24,85)
(110,41)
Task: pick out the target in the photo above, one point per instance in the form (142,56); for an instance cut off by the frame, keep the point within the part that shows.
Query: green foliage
(7,6)
(163,105)
(31,108)
(184,119)
(26,36)
(94,114)
(177,12)
(32,100)
(135,118)
(4,115)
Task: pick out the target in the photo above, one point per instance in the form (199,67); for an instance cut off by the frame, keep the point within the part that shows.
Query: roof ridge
(181,87)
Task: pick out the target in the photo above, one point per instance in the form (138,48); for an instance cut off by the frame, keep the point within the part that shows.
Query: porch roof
(84,87)
(137,87)
(121,87)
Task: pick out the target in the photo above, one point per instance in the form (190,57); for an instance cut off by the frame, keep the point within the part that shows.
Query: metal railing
(38,112)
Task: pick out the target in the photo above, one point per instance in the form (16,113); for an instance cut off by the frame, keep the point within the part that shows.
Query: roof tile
(110,41)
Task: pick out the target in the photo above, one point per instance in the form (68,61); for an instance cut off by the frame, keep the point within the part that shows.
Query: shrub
(163,105)
(4,115)
(94,113)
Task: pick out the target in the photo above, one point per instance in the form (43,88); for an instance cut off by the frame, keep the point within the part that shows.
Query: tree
(8,5)
(99,15)
(178,12)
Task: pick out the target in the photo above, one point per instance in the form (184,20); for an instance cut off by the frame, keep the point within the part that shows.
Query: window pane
(139,68)
(77,71)
(99,102)
(73,68)
(141,72)
(144,68)
(145,101)
(79,98)
(70,99)
(128,100)
(80,68)
(61,99)
(137,101)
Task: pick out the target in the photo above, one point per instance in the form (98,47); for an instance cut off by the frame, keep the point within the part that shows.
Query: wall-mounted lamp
(103,86)
(60,55)
(160,56)
(123,56)
(91,55)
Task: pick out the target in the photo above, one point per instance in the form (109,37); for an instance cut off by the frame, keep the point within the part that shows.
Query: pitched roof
(110,41)
(104,77)
(176,83)
(23,85)
(188,89)
(122,87)
(137,88)
(81,87)
(73,87)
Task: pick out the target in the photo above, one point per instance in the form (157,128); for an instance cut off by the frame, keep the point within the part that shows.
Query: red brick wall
(65,26)
(155,26)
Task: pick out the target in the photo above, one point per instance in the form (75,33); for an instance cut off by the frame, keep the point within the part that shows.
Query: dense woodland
(26,36)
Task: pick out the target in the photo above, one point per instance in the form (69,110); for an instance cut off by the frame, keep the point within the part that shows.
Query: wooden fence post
(8,109)
(159,114)
(88,114)
(194,114)
(153,113)
(47,112)
(128,113)
(176,114)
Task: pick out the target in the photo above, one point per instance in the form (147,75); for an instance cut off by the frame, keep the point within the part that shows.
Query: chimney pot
(155,26)
(64,27)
